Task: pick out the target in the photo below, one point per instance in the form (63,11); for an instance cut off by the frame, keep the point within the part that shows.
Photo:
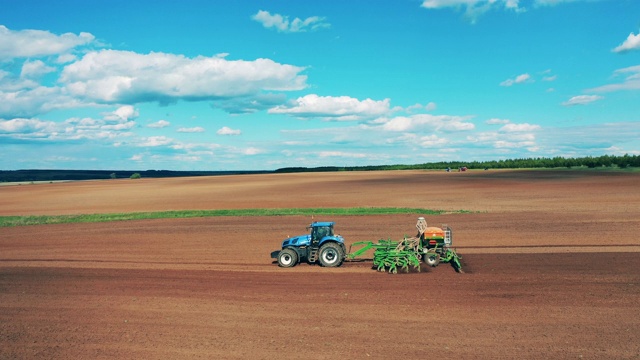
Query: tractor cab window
(321,231)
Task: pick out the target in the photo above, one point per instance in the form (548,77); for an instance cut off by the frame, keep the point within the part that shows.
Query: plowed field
(552,261)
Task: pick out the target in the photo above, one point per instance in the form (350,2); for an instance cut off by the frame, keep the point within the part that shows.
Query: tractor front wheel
(287,258)
(331,255)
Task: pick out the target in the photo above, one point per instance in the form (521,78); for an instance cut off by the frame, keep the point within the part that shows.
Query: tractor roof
(325,223)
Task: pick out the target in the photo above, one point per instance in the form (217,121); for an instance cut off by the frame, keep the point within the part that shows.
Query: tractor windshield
(318,232)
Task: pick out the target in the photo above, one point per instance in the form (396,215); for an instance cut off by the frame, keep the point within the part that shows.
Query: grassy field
(8,221)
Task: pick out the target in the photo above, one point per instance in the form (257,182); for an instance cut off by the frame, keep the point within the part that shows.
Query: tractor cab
(319,230)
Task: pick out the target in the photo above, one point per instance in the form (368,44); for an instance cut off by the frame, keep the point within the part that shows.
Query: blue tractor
(320,245)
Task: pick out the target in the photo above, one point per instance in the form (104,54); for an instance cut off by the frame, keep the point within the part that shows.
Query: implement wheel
(432,259)
(287,258)
(331,255)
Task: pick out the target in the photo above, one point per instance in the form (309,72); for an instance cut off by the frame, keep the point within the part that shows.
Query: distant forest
(530,163)
(605,161)
(62,175)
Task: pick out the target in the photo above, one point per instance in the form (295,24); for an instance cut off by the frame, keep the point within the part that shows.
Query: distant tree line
(608,161)
(611,161)
(63,175)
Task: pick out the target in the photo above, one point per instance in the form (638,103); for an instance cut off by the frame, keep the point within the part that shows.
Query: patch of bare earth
(551,258)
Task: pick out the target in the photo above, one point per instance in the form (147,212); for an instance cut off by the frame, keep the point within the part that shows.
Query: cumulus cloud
(110,126)
(632,42)
(66,58)
(29,102)
(36,68)
(71,129)
(36,43)
(26,126)
(122,113)
(517,80)
(111,76)
(343,108)
(225,130)
(427,121)
(281,23)
(159,124)
(582,100)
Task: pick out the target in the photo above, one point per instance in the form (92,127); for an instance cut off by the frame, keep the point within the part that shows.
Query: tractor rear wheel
(432,259)
(287,258)
(331,255)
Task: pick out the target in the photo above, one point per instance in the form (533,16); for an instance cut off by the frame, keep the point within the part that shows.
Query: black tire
(287,258)
(331,255)
(432,259)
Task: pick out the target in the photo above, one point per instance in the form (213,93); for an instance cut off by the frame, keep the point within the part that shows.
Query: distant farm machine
(431,245)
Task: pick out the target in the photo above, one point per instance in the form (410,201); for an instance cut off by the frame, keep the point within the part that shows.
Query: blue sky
(260,85)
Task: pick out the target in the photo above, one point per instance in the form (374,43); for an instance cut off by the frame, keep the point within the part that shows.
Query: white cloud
(122,113)
(119,126)
(282,24)
(342,154)
(503,140)
(71,129)
(496,121)
(35,43)
(252,151)
(417,107)
(196,129)
(474,8)
(333,108)
(432,141)
(582,100)
(66,58)
(517,80)
(632,42)
(159,124)
(431,106)
(550,78)
(23,126)
(225,130)
(519,128)
(36,68)
(630,82)
(110,126)
(112,76)
(554,2)
(153,141)
(427,121)
(32,101)
(11,83)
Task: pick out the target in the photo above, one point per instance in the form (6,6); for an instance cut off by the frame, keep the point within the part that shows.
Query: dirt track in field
(552,262)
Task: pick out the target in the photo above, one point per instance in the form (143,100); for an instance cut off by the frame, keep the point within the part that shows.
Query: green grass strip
(8,221)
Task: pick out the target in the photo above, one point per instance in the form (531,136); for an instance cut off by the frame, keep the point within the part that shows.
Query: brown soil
(552,263)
